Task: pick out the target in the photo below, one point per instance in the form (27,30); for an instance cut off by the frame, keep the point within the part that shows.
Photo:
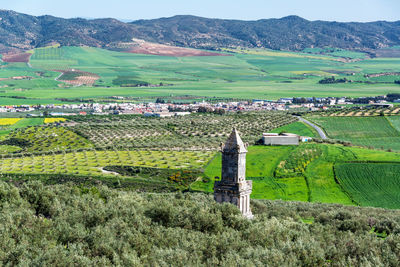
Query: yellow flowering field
(53,120)
(9,121)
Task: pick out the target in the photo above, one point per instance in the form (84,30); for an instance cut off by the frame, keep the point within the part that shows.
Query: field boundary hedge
(369,161)
(128,183)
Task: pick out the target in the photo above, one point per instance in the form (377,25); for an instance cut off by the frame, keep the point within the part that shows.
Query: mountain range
(21,32)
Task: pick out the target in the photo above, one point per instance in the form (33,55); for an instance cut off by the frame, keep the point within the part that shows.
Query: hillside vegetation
(22,31)
(97,226)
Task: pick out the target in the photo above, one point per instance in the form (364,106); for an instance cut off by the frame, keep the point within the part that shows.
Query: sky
(336,10)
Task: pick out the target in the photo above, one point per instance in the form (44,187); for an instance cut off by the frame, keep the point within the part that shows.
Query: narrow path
(318,129)
(108,172)
(58,77)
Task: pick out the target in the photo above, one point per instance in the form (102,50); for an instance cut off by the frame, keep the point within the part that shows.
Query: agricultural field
(8,121)
(94,163)
(244,74)
(299,128)
(340,53)
(46,139)
(376,132)
(54,120)
(195,132)
(357,111)
(169,154)
(303,173)
(116,146)
(371,184)
(18,124)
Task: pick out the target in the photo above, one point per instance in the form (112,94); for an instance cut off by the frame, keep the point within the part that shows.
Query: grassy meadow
(299,128)
(264,74)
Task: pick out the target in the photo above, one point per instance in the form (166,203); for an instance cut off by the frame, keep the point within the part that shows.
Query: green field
(163,155)
(299,128)
(377,132)
(304,173)
(371,184)
(258,74)
(336,53)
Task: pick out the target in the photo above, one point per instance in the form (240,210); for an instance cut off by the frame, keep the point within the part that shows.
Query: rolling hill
(20,32)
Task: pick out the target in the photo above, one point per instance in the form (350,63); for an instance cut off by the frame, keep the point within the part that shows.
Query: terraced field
(371,184)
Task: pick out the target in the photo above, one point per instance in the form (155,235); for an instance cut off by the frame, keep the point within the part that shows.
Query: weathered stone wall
(233,167)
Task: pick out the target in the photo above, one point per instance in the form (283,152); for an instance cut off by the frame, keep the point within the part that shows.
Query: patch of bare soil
(373,75)
(77,77)
(147,48)
(387,53)
(16,57)
(17,78)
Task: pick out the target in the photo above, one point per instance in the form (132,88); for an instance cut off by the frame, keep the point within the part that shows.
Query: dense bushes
(333,80)
(16,142)
(70,225)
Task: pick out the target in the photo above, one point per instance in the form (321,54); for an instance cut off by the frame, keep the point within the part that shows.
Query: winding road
(318,129)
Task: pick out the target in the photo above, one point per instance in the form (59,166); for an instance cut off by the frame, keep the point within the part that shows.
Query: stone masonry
(233,187)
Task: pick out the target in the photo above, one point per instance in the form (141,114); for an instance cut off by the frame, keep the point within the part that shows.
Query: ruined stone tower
(233,186)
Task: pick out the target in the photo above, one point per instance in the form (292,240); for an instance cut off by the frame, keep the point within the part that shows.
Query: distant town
(160,108)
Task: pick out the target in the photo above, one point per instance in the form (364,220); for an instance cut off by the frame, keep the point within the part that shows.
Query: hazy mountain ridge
(20,31)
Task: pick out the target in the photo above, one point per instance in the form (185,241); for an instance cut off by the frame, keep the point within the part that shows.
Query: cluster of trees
(81,100)
(129,81)
(397,82)
(333,80)
(219,111)
(74,225)
(393,97)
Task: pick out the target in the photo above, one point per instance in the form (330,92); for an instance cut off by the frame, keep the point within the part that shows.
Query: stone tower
(233,186)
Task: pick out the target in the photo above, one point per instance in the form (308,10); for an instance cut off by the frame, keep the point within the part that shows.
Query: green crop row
(371,184)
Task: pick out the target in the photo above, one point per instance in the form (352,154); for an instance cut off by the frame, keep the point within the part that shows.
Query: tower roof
(234,143)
